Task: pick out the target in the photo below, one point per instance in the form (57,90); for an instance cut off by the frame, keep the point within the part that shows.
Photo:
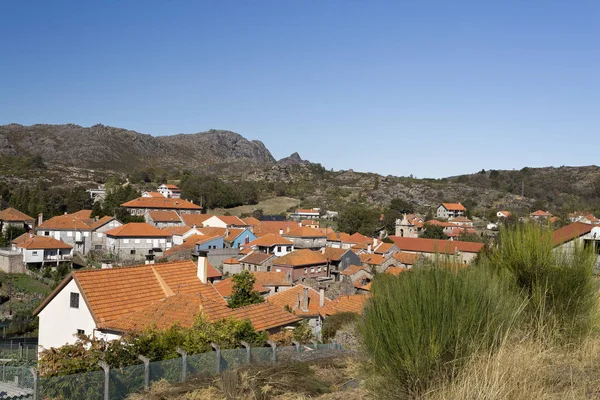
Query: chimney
(298,302)
(321,297)
(374,242)
(323,250)
(305,299)
(30,234)
(226,231)
(368,248)
(203,266)
(281,231)
(40,218)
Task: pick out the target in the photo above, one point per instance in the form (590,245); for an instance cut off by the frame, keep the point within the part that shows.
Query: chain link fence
(118,383)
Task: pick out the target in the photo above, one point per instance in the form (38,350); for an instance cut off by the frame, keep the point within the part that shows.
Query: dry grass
(273,206)
(529,371)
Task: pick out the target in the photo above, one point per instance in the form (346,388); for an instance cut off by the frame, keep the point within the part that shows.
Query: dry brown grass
(529,371)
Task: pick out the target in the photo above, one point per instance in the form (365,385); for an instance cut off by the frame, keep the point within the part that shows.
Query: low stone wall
(11,262)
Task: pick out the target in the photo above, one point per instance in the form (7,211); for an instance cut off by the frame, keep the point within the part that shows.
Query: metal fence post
(35,382)
(248,355)
(218,354)
(146,362)
(183,354)
(106,369)
(296,345)
(274,347)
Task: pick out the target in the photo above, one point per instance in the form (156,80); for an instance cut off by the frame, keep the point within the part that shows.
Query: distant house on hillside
(224,221)
(306,238)
(12,217)
(463,252)
(168,190)
(141,205)
(450,210)
(503,214)
(540,215)
(303,213)
(42,250)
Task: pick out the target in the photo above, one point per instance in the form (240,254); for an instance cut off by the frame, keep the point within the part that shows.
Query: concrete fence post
(106,369)
(333,344)
(248,355)
(146,362)
(296,345)
(274,347)
(20,350)
(315,343)
(36,378)
(183,354)
(218,356)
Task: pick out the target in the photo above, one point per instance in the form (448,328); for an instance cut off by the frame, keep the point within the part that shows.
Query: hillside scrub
(422,326)
(558,284)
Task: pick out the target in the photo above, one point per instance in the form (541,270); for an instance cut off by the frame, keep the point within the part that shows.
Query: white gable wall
(59,322)
(214,222)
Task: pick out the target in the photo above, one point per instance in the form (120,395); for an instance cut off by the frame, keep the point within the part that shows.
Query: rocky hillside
(105,147)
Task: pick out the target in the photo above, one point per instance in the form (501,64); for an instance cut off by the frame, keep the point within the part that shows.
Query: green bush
(336,321)
(558,283)
(420,327)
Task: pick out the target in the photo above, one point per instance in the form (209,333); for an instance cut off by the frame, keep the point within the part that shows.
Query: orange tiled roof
(353,269)
(161,202)
(570,232)
(358,238)
(137,229)
(364,257)
(440,223)
(309,222)
(176,230)
(182,277)
(82,214)
(101,222)
(375,259)
(460,219)
(188,245)
(305,231)
(170,186)
(164,216)
(225,287)
(36,242)
(272,278)
(505,213)
(291,297)
(256,258)
(154,194)
(353,303)
(454,207)
(266,227)
(229,234)
(195,219)
(251,221)
(362,285)
(421,245)
(245,252)
(396,270)
(13,215)
(269,240)
(334,254)
(231,261)
(406,258)
(205,238)
(301,257)
(384,248)
(338,237)
(65,222)
(540,213)
(231,220)
(306,211)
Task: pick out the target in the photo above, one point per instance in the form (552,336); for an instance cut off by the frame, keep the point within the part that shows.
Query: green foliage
(396,209)
(422,326)
(212,192)
(50,201)
(336,321)
(472,237)
(243,293)
(558,284)
(433,232)
(303,333)
(115,196)
(358,218)
(11,233)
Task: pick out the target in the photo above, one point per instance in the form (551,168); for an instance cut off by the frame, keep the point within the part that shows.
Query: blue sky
(430,88)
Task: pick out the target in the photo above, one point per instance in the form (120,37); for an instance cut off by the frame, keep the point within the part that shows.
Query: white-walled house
(272,244)
(106,303)
(224,221)
(578,233)
(136,241)
(450,210)
(168,190)
(11,217)
(42,250)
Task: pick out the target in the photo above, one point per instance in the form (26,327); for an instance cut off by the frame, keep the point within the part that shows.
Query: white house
(303,213)
(567,237)
(272,244)
(450,210)
(168,190)
(137,241)
(503,214)
(15,218)
(42,250)
(224,221)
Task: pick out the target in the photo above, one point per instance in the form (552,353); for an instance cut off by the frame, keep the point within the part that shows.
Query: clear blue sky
(396,87)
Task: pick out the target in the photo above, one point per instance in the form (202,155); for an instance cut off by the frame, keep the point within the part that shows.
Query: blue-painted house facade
(245,237)
(211,243)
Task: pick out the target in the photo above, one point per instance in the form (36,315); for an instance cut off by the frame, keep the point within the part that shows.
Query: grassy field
(273,206)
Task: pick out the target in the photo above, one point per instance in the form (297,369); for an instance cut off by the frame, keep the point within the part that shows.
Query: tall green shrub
(422,326)
(557,282)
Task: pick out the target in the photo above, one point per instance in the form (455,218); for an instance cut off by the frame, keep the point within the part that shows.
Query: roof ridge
(163,285)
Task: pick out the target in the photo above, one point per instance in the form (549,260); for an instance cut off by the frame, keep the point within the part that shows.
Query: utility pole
(523,189)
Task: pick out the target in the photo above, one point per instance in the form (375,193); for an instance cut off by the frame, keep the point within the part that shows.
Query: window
(319,270)
(279,249)
(74,300)
(148,241)
(125,241)
(69,234)
(137,241)
(98,247)
(312,269)
(34,253)
(46,233)
(132,252)
(99,234)
(289,248)
(277,269)
(306,270)
(80,332)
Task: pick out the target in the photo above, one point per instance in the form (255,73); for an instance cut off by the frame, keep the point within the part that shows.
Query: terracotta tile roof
(266,227)
(454,207)
(460,219)
(553,219)
(363,285)
(231,261)
(39,242)
(206,238)
(505,213)
(14,215)
(251,221)
(364,257)
(164,202)
(384,248)
(184,308)
(65,222)
(246,251)
(338,237)
(182,277)
(358,238)
(353,269)
(188,245)
(272,278)
(269,240)
(375,259)
(440,223)
(291,297)
(306,211)
(170,186)
(540,213)
(82,214)
(396,270)
(309,222)
(195,219)
(304,231)
(353,303)
(334,254)
(229,234)
(406,258)
(301,257)
(176,230)
(256,258)
(101,222)
(421,245)
(136,229)
(231,220)
(570,232)
(154,194)
(164,216)
(225,287)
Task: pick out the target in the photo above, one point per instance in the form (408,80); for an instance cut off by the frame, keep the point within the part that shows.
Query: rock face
(119,149)
(293,159)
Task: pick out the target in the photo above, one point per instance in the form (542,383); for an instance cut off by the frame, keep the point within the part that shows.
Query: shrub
(336,321)
(558,283)
(420,327)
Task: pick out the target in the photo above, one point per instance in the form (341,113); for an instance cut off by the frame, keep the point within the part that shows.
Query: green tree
(243,292)
(394,211)
(433,232)
(358,218)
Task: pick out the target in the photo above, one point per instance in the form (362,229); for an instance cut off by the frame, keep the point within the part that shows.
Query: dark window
(80,332)
(132,252)
(47,233)
(74,300)
(279,249)
(98,247)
